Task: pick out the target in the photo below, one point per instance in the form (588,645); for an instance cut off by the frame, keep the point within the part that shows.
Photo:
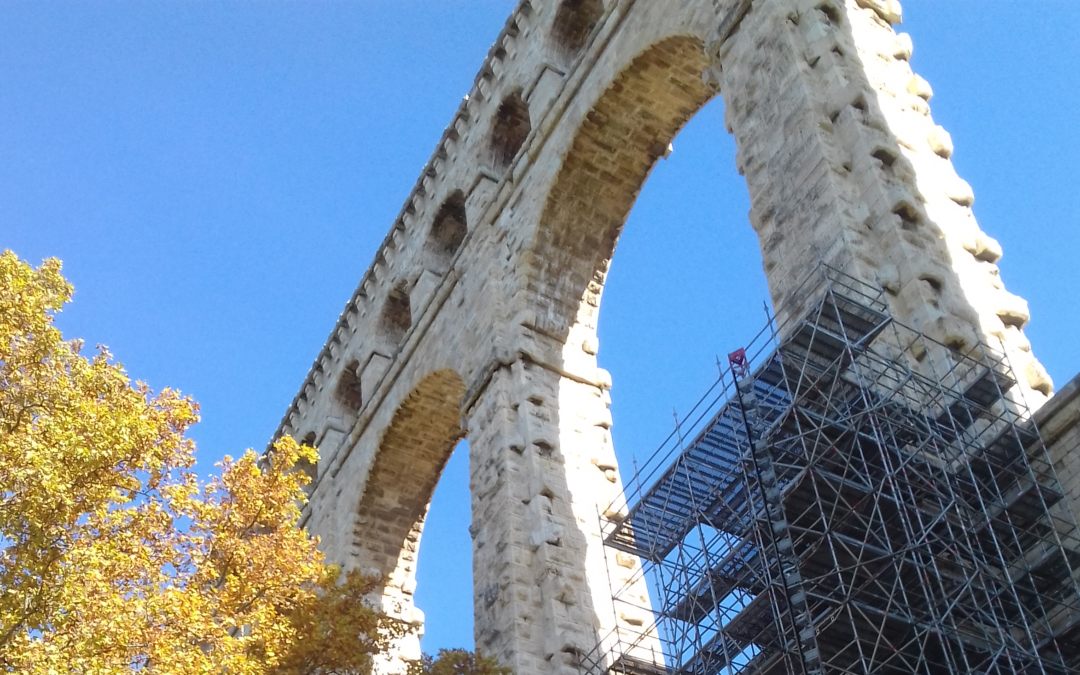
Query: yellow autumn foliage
(116,558)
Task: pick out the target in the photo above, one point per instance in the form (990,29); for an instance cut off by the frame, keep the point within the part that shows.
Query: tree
(458,662)
(117,558)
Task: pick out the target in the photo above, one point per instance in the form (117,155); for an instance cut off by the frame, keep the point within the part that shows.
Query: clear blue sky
(216,176)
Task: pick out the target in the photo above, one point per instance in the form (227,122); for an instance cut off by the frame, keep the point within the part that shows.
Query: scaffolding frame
(857,498)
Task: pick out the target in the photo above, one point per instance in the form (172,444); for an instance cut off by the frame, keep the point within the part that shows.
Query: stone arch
(449,227)
(348,390)
(411,456)
(611,156)
(509,129)
(573,23)
(396,317)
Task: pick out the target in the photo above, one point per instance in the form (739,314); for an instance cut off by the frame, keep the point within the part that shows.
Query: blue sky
(216,176)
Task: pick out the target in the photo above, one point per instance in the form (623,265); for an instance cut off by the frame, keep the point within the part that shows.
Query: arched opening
(348,390)
(509,129)
(444,583)
(574,22)
(614,151)
(661,347)
(411,457)
(449,228)
(396,318)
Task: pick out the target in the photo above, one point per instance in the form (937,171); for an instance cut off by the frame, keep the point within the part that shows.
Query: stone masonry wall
(845,164)
(1059,425)
(478,314)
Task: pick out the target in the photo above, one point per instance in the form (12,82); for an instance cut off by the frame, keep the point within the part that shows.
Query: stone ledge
(1060,414)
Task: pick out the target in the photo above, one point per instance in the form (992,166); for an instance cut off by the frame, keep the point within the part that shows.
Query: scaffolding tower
(856,498)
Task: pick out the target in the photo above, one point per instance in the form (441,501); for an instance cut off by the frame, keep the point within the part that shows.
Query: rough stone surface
(478,315)
(1059,426)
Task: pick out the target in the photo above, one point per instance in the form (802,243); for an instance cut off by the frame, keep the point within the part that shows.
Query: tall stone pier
(477,317)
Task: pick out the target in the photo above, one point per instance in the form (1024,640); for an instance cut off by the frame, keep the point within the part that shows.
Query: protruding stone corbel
(888,10)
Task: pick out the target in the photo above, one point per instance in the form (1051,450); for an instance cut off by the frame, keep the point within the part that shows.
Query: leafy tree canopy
(117,558)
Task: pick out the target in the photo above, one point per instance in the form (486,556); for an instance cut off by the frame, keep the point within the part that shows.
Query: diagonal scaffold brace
(786,589)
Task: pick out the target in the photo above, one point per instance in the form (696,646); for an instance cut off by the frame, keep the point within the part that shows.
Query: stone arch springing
(449,228)
(509,129)
(611,156)
(411,456)
(574,22)
(348,390)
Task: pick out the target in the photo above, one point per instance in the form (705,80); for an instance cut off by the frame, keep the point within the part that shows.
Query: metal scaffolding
(856,498)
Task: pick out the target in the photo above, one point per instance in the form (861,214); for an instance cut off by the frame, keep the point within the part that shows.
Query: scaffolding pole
(856,499)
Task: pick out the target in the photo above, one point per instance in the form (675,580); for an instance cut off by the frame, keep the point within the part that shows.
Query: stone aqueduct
(478,316)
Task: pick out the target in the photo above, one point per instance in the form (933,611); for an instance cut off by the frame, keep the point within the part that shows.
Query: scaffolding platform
(853,498)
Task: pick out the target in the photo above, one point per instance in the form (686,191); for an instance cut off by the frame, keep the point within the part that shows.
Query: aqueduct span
(477,317)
